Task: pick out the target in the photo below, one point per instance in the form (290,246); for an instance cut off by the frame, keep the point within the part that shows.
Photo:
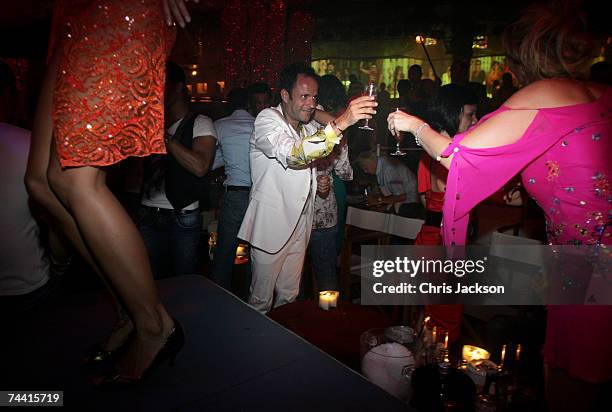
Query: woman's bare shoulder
(504,128)
(554,93)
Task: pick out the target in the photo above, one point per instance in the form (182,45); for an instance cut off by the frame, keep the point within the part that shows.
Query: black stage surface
(234,359)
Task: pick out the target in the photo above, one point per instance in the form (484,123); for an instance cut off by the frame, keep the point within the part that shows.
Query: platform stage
(234,359)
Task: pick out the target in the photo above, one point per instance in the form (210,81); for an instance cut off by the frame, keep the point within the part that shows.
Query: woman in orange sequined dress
(101,102)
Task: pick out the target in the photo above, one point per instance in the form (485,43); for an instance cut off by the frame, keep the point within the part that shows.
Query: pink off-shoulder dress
(565,161)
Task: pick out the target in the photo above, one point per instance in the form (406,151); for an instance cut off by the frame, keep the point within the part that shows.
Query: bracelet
(417,134)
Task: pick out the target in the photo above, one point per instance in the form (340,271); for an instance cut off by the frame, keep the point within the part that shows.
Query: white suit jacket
(278,193)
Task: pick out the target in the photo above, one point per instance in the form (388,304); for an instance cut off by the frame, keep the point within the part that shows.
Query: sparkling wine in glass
(370,90)
(399,136)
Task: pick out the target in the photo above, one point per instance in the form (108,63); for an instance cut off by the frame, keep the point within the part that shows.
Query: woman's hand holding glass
(399,121)
(399,137)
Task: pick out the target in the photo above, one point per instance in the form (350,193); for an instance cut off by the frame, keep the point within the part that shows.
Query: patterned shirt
(326,210)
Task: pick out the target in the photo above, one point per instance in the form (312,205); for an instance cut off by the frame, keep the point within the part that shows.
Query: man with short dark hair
(233,136)
(169,217)
(260,97)
(278,221)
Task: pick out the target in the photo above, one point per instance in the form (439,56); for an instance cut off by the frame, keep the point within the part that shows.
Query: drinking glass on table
(399,136)
(370,90)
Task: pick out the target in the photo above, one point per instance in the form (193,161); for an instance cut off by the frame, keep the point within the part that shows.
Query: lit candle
(324,298)
(328,299)
(446,340)
(424,333)
(434,335)
(518,352)
(333,301)
(503,355)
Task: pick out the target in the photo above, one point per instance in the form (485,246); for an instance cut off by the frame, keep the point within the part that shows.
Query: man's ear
(284,95)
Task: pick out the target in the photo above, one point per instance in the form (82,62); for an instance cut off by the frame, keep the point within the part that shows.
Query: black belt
(433,218)
(238,188)
(164,211)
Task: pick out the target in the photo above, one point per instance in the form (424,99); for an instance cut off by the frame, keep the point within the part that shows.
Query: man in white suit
(285,140)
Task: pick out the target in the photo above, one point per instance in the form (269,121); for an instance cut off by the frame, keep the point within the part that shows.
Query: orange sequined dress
(109,93)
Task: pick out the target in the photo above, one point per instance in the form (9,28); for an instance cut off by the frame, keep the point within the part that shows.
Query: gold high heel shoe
(96,355)
(174,343)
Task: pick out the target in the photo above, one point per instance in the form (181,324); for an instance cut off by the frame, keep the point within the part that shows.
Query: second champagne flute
(398,139)
(370,90)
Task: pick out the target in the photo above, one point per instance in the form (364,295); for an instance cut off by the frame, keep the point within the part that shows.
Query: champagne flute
(370,90)
(399,136)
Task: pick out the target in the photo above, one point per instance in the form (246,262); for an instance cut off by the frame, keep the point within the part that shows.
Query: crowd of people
(285,168)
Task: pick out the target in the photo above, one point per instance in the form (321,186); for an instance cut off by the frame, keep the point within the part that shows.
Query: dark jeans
(322,249)
(172,240)
(235,203)
(14,306)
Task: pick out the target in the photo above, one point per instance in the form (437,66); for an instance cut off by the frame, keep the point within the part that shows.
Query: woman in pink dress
(557,132)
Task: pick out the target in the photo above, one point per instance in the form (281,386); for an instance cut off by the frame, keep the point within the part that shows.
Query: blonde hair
(549,41)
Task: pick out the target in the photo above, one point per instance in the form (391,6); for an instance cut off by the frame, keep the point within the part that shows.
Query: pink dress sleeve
(476,174)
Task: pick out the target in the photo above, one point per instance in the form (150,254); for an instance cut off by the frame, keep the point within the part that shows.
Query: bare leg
(58,247)
(117,245)
(58,217)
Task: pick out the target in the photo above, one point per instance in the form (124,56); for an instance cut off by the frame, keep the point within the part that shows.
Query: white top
(326,210)
(203,126)
(23,267)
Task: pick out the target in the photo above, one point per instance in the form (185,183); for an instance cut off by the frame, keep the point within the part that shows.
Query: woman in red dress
(101,102)
(452,111)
